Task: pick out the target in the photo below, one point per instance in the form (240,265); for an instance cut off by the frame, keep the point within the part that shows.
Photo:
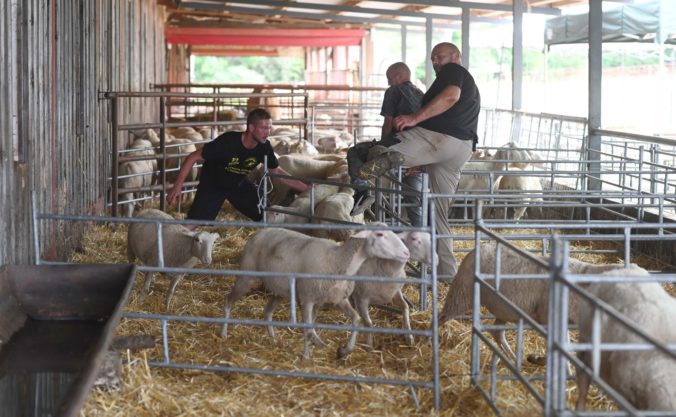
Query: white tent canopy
(652,21)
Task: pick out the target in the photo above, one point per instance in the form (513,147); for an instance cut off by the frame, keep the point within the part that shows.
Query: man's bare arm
(295,184)
(388,127)
(187,165)
(439,104)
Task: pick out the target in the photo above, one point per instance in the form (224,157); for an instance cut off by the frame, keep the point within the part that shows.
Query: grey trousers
(443,156)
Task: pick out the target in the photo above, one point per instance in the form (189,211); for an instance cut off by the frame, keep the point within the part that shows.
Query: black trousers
(210,198)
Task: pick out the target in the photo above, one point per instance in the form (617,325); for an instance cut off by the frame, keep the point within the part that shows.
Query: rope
(260,190)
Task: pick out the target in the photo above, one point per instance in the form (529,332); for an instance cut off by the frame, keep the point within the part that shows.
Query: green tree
(248,69)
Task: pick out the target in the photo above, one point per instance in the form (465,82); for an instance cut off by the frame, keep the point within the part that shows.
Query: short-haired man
(402,97)
(228,160)
(440,137)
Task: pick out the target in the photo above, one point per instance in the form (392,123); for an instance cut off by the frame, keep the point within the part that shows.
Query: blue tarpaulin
(652,21)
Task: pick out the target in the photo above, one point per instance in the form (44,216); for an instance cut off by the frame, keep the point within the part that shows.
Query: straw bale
(155,391)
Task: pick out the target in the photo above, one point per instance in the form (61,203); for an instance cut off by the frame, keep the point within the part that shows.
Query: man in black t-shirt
(228,160)
(439,137)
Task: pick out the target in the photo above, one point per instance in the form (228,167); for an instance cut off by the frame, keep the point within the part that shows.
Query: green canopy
(651,21)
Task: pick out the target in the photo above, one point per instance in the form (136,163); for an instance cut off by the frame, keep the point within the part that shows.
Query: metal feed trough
(56,325)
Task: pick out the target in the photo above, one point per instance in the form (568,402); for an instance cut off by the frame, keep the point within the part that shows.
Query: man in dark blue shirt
(228,160)
(439,137)
(402,97)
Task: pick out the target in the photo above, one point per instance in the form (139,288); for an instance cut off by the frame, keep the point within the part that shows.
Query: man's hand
(413,171)
(173,193)
(404,121)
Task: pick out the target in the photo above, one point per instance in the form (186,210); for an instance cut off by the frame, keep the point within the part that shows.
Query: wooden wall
(56,60)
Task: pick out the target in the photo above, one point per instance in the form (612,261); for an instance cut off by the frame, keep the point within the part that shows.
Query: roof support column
(404,33)
(517,66)
(465,37)
(428,47)
(517,54)
(594,80)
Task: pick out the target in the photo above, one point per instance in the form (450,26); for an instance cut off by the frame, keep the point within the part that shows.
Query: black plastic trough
(56,324)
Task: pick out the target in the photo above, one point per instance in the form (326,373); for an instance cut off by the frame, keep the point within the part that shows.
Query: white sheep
(647,379)
(283,144)
(298,166)
(182,248)
(208,132)
(177,149)
(185,132)
(300,205)
(530,295)
(136,174)
(332,141)
(329,157)
(286,144)
(152,136)
(469,180)
(286,251)
(336,207)
(511,155)
(523,184)
(306,148)
(506,157)
(367,293)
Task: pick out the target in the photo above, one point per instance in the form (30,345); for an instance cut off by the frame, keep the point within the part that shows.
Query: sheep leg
(130,253)
(363,306)
(582,380)
(175,279)
(345,306)
(128,207)
(542,360)
(242,286)
(499,336)
(519,212)
(399,298)
(310,335)
(270,308)
(146,283)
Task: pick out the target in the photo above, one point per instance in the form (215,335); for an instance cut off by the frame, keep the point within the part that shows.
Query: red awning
(267,37)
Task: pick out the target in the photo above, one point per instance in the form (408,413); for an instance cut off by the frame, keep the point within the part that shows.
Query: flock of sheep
(646,378)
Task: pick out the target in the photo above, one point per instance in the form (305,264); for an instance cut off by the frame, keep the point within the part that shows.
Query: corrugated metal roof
(322,13)
(349,14)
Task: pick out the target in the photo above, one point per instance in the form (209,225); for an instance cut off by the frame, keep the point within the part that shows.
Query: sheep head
(420,246)
(203,246)
(384,244)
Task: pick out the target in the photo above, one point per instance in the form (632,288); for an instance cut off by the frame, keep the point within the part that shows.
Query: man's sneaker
(381,164)
(363,201)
